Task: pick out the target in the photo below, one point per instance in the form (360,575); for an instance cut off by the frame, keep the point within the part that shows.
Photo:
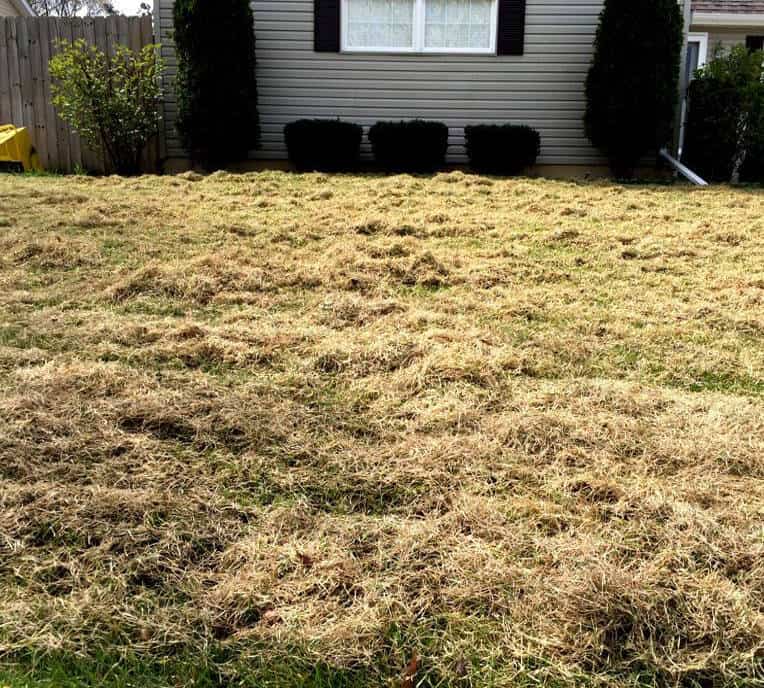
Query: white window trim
(419,35)
(702,40)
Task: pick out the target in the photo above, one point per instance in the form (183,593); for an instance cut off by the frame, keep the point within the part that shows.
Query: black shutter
(511,34)
(327,26)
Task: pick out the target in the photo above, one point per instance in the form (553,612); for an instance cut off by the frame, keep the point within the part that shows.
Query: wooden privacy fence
(26,46)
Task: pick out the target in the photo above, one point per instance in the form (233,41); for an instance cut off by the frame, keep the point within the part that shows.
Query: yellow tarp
(16,146)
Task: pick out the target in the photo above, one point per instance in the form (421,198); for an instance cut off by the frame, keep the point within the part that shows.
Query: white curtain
(380,23)
(458,24)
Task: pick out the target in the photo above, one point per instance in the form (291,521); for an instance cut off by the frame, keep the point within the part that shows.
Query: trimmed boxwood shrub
(328,145)
(502,148)
(409,146)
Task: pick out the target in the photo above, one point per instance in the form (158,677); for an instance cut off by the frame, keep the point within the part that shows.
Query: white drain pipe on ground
(685,171)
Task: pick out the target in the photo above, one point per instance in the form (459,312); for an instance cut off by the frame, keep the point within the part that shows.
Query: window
(379,24)
(754,43)
(697,53)
(435,26)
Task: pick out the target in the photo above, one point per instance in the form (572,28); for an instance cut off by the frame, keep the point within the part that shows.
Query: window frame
(419,29)
(702,40)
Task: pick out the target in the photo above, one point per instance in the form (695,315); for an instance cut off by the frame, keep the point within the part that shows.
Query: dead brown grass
(515,428)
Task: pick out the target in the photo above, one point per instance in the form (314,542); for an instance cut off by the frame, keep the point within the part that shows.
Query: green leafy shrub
(711,138)
(410,146)
(216,88)
(328,145)
(502,149)
(632,85)
(113,103)
(725,122)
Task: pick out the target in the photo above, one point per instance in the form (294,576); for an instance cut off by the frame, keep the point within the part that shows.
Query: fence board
(14,75)
(134,33)
(25,73)
(38,94)
(123,31)
(5,87)
(64,143)
(69,35)
(111,35)
(91,159)
(26,46)
(51,129)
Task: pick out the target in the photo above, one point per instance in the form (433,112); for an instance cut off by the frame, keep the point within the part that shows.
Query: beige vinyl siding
(726,38)
(7,9)
(544,88)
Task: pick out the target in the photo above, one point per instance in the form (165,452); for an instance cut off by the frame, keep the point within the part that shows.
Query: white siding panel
(725,38)
(544,88)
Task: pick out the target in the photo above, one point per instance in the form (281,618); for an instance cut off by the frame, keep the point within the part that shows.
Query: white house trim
(702,40)
(728,19)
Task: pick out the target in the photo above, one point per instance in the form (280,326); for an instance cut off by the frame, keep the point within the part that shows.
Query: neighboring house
(723,23)
(457,61)
(16,8)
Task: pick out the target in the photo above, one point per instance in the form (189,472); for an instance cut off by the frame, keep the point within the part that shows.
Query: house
(457,61)
(16,8)
(723,23)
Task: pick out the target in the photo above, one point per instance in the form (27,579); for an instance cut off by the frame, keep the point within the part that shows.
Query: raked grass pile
(342,431)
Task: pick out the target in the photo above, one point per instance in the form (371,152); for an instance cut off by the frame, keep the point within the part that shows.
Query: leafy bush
(412,146)
(113,103)
(216,88)
(725,122)
(502,149)
(328,145)
(711,138)
(631,89)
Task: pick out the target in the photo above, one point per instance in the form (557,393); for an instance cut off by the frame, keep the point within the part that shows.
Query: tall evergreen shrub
(216,87)
(632,86)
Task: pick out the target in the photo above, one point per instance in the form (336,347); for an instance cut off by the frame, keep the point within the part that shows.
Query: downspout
(683,81)
(685,171)
(679,128)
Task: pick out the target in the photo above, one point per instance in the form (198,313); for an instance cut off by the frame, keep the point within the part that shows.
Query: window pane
(458,24)
(693,57)
(754,43)
(380,23)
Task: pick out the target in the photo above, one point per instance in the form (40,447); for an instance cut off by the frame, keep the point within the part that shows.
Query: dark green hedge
(502,149)
(328,145)
(410,146)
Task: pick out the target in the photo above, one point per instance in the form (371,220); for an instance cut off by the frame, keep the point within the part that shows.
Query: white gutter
(728,19)
(685,171)
(679,123)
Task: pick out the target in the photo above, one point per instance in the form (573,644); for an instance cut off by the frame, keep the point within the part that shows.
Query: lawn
(316,431)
